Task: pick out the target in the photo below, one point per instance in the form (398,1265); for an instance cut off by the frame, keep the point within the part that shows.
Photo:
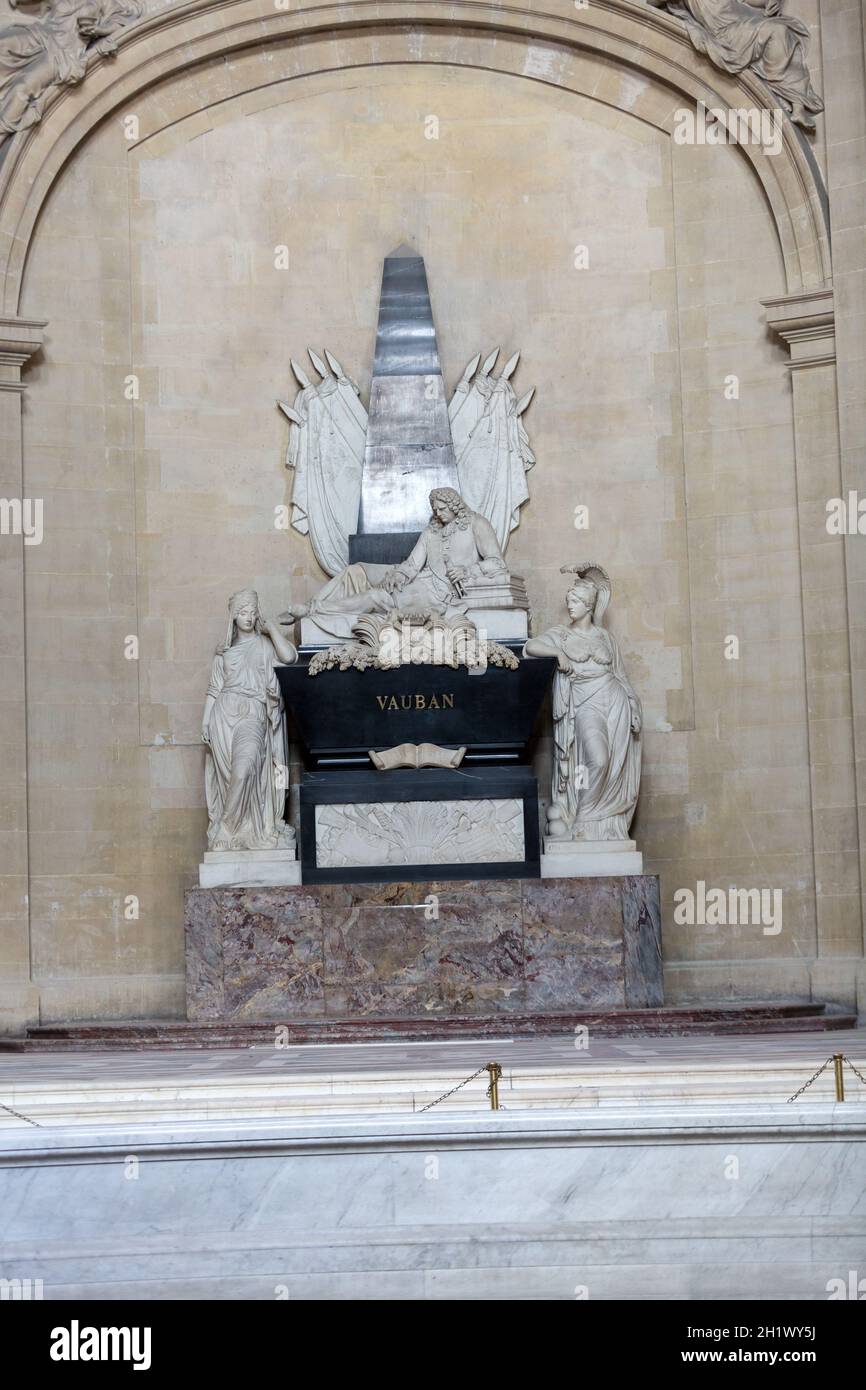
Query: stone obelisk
(409,449)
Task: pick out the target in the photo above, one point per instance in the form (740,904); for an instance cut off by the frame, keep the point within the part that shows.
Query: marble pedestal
(223,868)
(589,858)
(463,949)
(500,624)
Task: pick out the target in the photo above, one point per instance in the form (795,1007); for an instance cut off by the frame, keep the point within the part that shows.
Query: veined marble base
(416,950)
(262,867)
(589,858)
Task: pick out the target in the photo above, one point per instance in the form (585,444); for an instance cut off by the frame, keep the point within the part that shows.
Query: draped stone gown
(244,802)
(596,773)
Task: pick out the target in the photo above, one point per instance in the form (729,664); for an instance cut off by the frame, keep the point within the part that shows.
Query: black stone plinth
(424,785)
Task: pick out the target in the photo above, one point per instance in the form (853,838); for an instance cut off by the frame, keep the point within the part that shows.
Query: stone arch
(509,37)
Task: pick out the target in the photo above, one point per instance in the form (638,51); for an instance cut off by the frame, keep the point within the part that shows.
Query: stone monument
(408,449)
(412,698)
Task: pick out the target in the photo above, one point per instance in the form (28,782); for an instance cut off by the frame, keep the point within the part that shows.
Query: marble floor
(80,1087)
(402,1055)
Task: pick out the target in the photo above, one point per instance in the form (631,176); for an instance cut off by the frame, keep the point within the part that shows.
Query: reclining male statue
(457,545)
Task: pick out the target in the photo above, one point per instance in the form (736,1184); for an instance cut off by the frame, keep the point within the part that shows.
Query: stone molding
(770,1123)
(806,322)
(20,339)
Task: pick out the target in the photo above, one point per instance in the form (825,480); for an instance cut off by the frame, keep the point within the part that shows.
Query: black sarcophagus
(339,716)
(479,819)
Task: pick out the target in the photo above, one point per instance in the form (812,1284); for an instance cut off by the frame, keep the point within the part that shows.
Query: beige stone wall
(844,50)
(156,257)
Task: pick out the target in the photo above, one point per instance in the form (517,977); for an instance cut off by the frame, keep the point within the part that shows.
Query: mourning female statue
(457,546)
(243,728)
(597,718)
(54,50)
(755,34)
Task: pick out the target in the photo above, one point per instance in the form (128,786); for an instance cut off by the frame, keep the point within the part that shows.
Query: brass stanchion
(495,1072)
(838,1059)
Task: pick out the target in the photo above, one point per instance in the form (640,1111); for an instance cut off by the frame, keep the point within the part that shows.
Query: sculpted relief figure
(755,34)
(54,50)
(243,728)
(457,546)
(597,718)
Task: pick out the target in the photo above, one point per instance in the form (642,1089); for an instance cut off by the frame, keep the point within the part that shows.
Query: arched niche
(630,38)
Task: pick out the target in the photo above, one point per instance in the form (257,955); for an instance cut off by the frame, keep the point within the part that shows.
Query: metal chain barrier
(859,1075)
(26,1118)
(836,1061)
(809,1082)
(492,1091)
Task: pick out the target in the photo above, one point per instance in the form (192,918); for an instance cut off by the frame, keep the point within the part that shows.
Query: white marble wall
(758,1203)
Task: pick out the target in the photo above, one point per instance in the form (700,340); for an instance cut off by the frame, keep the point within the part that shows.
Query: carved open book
(416,755)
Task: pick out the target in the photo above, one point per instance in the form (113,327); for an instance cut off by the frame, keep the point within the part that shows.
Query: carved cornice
(20,339)
(807,323)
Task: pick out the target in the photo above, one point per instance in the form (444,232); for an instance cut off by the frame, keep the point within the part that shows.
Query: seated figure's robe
(735,35)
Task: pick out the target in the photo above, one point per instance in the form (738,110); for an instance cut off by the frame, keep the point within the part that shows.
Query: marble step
(374,1093)
(759,1016)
